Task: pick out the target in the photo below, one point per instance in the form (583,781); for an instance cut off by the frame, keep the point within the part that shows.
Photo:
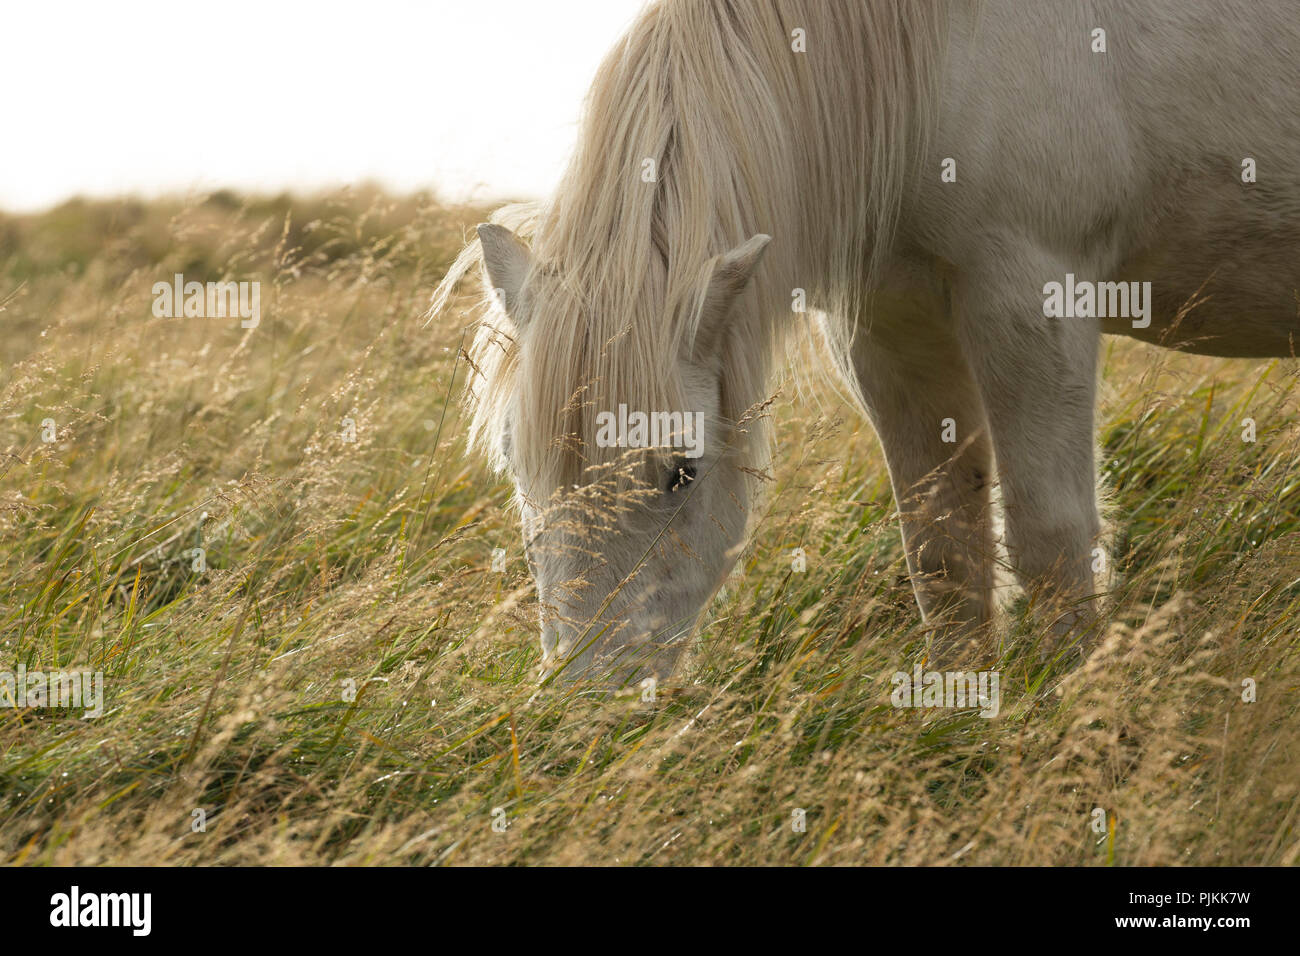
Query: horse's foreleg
(924,404)
(1037,382)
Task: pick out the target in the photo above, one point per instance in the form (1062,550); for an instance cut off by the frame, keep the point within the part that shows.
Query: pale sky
(470,97)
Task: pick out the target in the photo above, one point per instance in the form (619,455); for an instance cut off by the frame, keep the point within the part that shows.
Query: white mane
(744,135)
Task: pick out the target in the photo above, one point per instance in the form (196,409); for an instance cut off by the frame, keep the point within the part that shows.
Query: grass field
(366,564)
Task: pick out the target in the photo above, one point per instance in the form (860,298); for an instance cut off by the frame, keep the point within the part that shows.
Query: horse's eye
(681,476)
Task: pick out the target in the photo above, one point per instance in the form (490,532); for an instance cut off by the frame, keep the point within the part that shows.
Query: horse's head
(632,476)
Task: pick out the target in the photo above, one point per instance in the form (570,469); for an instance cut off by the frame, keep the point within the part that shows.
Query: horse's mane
(746,136)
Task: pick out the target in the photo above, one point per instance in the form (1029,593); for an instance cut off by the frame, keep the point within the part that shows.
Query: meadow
(346,679)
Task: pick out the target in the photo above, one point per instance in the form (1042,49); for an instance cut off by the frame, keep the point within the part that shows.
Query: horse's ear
(731,273)
(505,260)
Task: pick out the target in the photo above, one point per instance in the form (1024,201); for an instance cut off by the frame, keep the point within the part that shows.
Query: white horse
(943,183)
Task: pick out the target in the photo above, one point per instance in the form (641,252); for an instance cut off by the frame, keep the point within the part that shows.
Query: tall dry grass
(370,562)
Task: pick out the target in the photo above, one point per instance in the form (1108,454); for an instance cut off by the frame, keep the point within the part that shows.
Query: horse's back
(1129,163)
